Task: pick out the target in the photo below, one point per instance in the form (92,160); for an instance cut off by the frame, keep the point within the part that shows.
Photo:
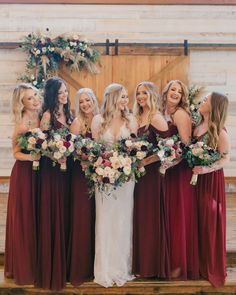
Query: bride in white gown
(114,214)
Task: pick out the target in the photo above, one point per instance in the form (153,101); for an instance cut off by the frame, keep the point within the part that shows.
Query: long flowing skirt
(113,236)
(82,230)
(151,241)
(210,191)
(53,226)
(20,250)
(182,215)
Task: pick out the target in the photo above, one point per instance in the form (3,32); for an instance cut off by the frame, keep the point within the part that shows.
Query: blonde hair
(217,118)
(152,101)
(111,94)
(17,100)
(184,102)
(79,113)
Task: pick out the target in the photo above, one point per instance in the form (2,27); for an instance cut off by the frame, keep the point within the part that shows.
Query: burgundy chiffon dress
(54,205)
(82,228)
(20,250)
(210,192)
(182,217)
(150,236)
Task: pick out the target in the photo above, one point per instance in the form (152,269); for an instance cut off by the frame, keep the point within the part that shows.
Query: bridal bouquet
(136,149)
(109,171)
(168,150)
(59,146)
(32,141)
(199,154)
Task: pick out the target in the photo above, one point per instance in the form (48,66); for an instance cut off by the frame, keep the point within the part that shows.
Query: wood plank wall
(129,23)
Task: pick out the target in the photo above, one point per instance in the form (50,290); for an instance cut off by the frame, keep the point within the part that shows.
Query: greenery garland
(46,55)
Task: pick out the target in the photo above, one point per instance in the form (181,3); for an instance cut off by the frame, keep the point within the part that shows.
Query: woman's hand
(35,157)
(202,169)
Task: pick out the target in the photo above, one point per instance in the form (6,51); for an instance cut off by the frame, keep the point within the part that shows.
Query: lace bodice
(108,136)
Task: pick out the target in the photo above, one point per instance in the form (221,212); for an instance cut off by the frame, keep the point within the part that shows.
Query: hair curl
(219,108)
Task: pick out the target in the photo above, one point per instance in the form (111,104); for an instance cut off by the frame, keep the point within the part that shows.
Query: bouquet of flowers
(199,154)
(60,145)
(111,170)
(32,141)
(168,150)
(136,149)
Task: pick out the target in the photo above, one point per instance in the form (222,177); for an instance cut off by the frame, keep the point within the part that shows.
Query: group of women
(159,227)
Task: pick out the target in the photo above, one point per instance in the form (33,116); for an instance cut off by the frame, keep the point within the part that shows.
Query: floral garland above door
(45,55)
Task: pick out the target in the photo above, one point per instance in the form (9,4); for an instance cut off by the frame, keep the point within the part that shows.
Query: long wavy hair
(17,100)
(152,101)
(51,103)
(217,118)
(79,113)
(111,95)
(184,102)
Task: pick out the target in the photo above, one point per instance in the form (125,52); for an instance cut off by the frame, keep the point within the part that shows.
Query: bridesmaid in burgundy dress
(180,198)
(210,190)
(54,194)
(82,229)
(20,251)
(150,238)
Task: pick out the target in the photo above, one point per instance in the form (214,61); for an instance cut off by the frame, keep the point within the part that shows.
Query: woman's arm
(183,123)
(45,121)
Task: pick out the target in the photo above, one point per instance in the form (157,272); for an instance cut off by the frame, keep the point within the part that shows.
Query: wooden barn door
(129,70)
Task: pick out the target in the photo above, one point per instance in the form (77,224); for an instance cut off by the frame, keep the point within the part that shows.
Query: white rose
(59,144)
(142,169)
(170,142)
(99,171)
(140,155)
(71,148)
(98,162)
(127,170)
(57,155)
(192,107)
(44,145)
(128,143)
(29,146)
(38,51)
(200,143)
(31,140)
(44,49)
(41,135)
(161,154)
(62,149)
(57,137)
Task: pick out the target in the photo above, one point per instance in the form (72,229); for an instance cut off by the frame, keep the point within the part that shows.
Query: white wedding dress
(114,229)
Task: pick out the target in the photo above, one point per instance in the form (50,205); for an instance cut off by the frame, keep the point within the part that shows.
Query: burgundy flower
(66,144)
(106,180)
(40,141)
(175,147)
